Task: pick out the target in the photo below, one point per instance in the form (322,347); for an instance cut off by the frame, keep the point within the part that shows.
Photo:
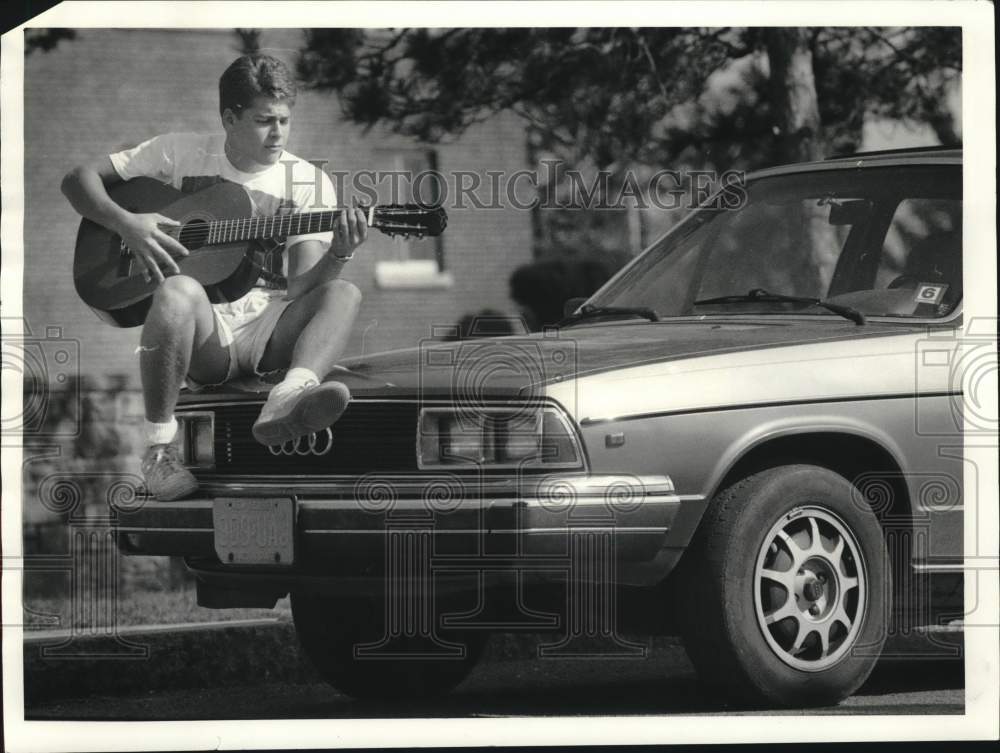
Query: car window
(669,284)
(886,241)
(778,246)
(923,244)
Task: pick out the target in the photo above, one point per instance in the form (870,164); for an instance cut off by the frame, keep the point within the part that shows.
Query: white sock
(298,376)
(160,433)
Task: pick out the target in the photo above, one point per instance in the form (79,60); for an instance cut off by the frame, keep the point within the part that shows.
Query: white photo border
(982,692)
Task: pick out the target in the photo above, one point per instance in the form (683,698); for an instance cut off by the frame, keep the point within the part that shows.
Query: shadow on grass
(136,608)
(909,675)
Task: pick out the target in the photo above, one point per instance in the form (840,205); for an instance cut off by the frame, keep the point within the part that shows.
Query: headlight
(496,438)
(196,439)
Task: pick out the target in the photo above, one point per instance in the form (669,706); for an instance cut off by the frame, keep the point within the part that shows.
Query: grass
(138,608)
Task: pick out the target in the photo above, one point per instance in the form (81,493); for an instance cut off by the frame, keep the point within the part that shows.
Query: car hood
(509,367)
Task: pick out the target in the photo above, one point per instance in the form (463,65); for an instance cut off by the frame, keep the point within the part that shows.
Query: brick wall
(112,88)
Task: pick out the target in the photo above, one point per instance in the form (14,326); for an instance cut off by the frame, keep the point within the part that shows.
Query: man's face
(256,136)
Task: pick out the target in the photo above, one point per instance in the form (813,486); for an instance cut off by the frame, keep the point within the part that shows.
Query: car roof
(887,158)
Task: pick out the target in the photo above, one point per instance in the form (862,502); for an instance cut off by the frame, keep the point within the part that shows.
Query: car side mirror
(572,305)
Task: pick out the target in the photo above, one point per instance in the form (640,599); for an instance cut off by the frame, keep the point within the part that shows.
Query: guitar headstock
(410,220)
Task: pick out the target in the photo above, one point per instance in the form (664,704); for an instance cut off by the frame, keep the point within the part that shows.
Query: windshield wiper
(759,294)
(588,311)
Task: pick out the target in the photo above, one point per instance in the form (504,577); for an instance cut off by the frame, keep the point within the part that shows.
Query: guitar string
(220,231)
(225,231)
(203,251)
(385,226)
(232,230)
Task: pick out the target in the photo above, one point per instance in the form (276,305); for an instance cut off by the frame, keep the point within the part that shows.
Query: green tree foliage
(627,101)
(742,97)
(45,39)
(543,287)
(248,41)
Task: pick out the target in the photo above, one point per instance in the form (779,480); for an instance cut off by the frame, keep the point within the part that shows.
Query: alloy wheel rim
(810,589)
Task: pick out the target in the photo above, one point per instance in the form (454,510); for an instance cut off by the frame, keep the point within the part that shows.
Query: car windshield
(882,241)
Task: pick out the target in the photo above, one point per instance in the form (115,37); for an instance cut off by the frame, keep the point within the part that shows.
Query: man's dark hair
(252,76)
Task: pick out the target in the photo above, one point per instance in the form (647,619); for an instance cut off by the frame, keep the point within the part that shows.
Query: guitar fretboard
(277,226)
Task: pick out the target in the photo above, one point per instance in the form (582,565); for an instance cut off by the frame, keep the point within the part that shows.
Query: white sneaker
(293,411)
(166,477)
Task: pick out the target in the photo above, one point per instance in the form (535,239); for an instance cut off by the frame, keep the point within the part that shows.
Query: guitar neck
(277,226)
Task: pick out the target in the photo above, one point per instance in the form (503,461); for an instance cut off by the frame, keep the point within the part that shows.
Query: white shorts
(245,326)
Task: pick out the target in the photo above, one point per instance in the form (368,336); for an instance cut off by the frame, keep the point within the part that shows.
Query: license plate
(254,531)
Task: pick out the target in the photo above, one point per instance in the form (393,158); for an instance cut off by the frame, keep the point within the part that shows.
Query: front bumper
(350,528)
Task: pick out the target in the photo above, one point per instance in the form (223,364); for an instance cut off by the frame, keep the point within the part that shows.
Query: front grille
(370,437)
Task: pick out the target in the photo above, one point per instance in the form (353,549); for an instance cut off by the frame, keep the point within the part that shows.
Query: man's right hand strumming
(86,188)
(144,236)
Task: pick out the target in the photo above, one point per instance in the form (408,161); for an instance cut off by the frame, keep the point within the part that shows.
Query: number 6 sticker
(927,293)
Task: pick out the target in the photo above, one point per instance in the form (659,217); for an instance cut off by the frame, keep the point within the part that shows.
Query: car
(752,435)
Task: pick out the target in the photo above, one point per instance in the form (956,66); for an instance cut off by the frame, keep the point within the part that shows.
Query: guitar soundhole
(194,234)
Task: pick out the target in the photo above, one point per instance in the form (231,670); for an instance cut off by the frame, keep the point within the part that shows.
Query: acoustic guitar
(226,243)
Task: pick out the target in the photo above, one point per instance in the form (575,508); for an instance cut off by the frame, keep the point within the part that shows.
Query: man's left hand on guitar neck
(350,232)
(309,265)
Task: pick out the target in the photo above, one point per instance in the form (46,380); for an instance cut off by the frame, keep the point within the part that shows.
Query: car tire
(785,589)
(341,638)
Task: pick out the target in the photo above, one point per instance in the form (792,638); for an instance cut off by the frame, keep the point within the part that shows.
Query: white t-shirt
(191,162)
